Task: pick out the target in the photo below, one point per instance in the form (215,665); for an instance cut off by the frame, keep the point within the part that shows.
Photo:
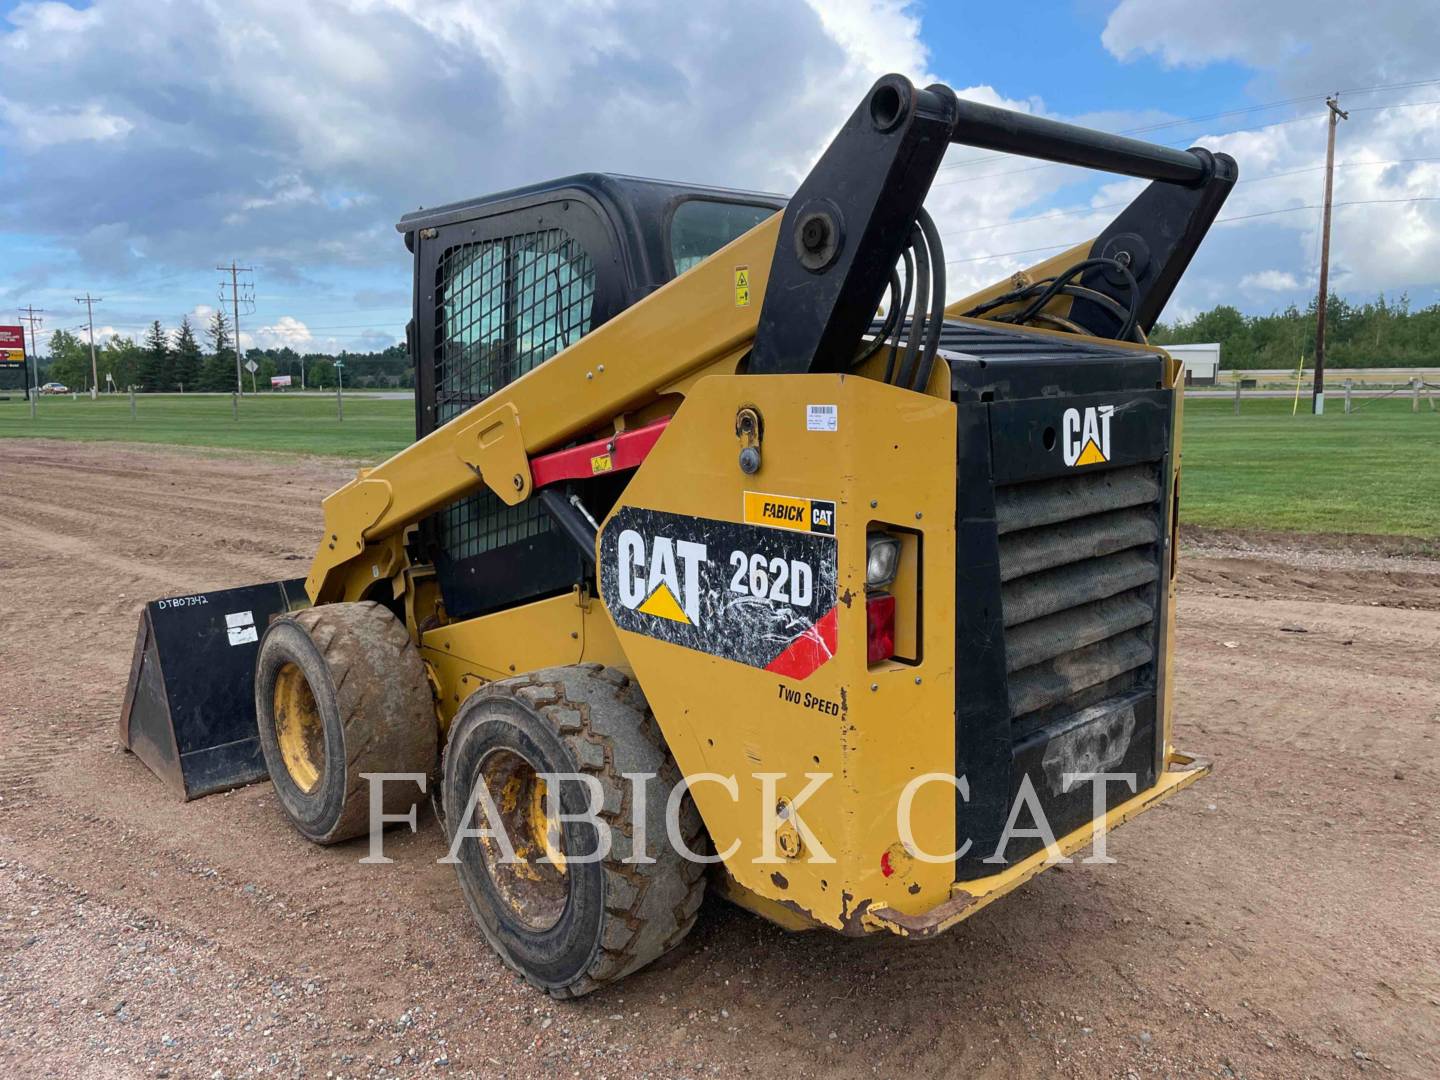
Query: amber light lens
(879,627)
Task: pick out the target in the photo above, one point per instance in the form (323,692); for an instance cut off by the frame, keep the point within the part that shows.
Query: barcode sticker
(822,418)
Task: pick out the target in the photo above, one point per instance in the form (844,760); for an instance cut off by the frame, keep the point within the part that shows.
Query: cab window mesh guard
(503,307)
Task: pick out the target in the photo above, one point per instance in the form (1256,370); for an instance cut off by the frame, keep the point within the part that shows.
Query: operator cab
(503,283)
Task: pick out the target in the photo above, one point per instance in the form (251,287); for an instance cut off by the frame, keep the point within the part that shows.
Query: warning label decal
(755,594)
(742,286)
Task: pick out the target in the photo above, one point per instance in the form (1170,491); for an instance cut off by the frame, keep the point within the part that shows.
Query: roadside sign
(277,381)
(251,366)
(12,347)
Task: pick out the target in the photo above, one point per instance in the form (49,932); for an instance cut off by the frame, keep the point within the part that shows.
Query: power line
(1396,105)
(1221,134)
(1218,221)
(966,162)
(1321,206)
(1244,180)
(1388,86)
(1180,121)
(392,324)
(1056,165)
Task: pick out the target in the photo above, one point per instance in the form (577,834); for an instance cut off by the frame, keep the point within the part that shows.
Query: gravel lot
(1278,920)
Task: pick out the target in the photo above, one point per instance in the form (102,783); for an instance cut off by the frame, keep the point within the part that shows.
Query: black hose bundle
(923,262)
(921,276)
(1036,295)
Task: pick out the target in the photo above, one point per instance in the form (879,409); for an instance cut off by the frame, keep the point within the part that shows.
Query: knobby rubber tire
(375,704)
(619,916)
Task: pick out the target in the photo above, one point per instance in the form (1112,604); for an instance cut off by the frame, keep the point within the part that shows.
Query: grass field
(373,428)
(1375,471)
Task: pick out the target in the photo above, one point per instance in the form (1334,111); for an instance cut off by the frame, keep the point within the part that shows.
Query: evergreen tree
(219,371)
(186,372)
(155,368)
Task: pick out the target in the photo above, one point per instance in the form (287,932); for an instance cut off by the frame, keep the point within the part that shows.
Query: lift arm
(818,272)
(688,324)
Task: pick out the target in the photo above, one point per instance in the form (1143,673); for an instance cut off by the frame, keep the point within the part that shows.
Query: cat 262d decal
(756,595)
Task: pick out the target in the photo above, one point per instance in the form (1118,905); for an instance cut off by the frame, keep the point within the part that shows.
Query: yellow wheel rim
(535,886)
(299,730)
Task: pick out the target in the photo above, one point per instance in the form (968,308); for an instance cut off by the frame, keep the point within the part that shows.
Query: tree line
(1381,333)
(166,361)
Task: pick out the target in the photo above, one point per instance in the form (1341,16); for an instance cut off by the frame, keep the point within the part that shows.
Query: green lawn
(373,429)
(1375,471)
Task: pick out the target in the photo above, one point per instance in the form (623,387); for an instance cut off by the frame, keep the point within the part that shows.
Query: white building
(1202,362)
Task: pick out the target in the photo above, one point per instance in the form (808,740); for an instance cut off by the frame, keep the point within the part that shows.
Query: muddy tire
(569,926)
(340,690)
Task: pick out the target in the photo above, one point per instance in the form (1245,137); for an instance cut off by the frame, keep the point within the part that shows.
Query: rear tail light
(879,627)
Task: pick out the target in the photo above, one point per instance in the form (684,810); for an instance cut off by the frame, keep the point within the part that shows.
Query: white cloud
(1380,240)
(1308,46)
(285,331)
(40,126)
(309,129)
(877,35)
(1270,281)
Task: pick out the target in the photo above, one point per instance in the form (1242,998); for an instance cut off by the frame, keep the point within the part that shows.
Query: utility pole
(235,272)
(31,314)
(90,302)
(1317,401)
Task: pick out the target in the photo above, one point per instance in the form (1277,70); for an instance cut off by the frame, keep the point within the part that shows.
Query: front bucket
(189,710)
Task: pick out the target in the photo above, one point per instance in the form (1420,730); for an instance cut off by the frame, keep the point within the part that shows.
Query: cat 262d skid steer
(728,554)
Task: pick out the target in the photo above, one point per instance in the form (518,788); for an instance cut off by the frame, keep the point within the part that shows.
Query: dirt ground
(1281,919)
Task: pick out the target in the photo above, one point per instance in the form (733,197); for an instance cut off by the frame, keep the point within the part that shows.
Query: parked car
(54,388)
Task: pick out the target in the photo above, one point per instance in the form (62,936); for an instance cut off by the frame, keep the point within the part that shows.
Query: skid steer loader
(702,572)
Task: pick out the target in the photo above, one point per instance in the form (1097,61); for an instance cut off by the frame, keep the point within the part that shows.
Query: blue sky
(145,142)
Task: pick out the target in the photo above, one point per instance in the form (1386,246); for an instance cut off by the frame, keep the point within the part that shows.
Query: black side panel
(995,362)
(1114,736)
(982,704)
(1062,563)
(542,565)
(1027,434)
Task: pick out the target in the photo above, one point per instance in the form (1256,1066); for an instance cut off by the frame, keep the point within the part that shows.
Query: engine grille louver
(1080,563)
